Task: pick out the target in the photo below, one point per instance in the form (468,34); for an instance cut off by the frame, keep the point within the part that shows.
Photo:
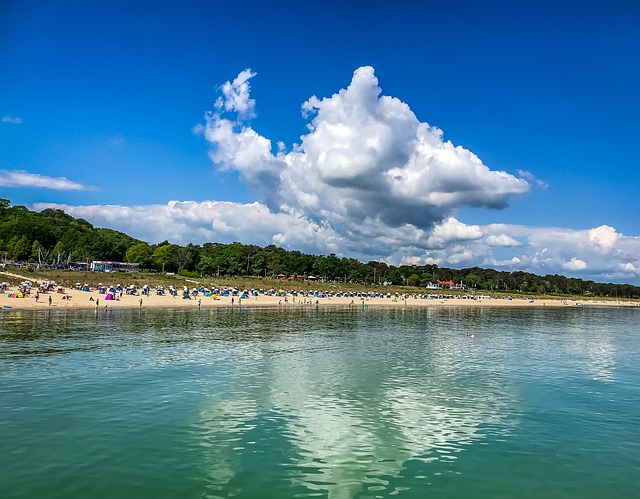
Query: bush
(188,273)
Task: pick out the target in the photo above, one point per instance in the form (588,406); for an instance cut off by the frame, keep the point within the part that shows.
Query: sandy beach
(74,299)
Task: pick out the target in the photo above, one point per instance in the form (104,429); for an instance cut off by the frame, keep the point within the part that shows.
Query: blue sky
(102,111)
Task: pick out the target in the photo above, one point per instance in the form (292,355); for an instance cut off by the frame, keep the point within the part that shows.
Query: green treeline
(52,237)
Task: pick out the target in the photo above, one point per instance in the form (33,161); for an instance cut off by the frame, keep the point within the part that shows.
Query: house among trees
(451,284)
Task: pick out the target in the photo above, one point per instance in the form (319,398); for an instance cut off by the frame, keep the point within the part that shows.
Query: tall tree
(140,253)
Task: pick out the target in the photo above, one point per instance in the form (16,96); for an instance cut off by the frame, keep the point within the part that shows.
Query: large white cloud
(367,161)
(184,222)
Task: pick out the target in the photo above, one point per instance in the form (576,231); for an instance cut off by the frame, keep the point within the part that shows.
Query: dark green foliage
(59,236)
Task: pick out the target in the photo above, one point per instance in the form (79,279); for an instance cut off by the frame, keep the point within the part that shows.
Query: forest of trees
(51,237)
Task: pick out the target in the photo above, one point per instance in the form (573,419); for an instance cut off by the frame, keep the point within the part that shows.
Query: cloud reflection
(344,436)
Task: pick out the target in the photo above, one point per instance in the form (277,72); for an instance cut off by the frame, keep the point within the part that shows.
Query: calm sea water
(321,403)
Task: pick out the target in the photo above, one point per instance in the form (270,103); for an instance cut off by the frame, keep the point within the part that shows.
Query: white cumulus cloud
(629,267)
(603,238)
(186,222)
(502,240)
(575,264)
(451,230)
(367,162)
(235,96)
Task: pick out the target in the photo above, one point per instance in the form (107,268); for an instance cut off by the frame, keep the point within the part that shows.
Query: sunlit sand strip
(73,299)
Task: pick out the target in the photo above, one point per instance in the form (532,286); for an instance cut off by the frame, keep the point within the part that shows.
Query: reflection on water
(334,403)
(599,356)
(597,351)
(355,415)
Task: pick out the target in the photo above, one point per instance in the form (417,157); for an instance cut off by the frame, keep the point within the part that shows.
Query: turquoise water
(331,403)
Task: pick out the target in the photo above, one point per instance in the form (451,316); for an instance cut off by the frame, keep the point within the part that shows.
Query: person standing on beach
(50,300)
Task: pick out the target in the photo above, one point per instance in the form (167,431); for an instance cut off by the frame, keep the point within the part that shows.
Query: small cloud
(116,141)
(410,260)
(14,120)
(514,262)
(20,178)
(432,261)
(603,238)
(529,177)
(451,230)
(236,96)
(503,240)
(460,255)
(575,264)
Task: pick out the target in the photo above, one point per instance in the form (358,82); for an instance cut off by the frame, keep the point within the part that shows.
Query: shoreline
(90,300)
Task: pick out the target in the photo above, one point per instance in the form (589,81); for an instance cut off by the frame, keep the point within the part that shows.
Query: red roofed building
(451,284)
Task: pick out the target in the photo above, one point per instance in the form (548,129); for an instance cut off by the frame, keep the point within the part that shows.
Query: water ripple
(337,403)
